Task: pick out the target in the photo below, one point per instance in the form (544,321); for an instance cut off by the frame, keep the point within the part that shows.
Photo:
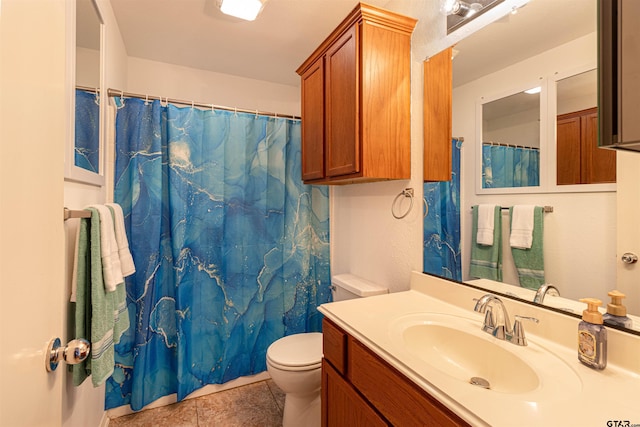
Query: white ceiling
(194,33)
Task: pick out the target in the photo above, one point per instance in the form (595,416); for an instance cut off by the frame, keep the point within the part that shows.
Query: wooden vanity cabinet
(356,95)
(579,159)
(361,389)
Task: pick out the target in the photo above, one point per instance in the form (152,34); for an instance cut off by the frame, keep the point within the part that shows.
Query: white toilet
(294,362)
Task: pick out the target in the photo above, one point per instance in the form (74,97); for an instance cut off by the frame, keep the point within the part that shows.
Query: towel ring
(407,192)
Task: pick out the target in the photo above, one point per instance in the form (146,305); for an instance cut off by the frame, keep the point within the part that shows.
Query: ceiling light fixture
(534,90)
(461,8)
(243,9)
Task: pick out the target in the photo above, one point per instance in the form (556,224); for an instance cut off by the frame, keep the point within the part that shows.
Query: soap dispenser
(616,314)
(592,336)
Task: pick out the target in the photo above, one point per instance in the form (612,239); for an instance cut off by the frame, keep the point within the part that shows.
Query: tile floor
(259,404)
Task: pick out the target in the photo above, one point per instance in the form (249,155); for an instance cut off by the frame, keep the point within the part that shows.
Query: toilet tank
(349,286)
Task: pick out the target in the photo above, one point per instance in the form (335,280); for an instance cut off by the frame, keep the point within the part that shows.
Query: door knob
(75,352)
(629,258)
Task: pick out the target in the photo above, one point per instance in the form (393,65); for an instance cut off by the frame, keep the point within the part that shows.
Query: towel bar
(68,214)
(545,209)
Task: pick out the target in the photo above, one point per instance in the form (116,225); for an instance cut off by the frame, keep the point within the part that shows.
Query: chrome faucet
(497,322)
(545,290)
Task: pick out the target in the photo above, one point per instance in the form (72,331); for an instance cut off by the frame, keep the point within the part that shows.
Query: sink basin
(466,356)
(458,349)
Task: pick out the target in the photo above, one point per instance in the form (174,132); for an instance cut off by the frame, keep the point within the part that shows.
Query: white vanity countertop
(592,399)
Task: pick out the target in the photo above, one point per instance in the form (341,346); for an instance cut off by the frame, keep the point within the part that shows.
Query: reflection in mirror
(87,104)
(87,131)
(580,235)
(579,160)
(461,12)
(84,146)
(511,141)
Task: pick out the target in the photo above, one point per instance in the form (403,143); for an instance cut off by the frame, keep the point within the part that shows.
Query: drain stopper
(480,382)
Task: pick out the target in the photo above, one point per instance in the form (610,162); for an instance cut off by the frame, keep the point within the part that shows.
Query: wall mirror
(499,61)
(84,158)
(510,139)
(579,160)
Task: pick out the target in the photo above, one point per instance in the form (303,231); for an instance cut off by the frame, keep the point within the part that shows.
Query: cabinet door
(438,78)
(342,107)
(342,405)
(568,150)
(399,400)
(312,150)
(599,165)
(579,159)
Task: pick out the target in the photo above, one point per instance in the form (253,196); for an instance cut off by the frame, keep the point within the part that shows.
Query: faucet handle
(519,337)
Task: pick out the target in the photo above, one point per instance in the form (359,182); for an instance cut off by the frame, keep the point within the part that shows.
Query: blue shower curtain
(231,250)
(87,131)
(441,251)
(504,166)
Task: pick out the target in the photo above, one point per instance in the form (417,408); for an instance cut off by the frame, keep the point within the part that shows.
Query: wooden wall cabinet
(356,101)
(361,389)
(438,94)
(579,159)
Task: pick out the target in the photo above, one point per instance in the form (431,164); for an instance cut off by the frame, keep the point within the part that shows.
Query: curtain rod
(114,92)
(88,89)
(502,144)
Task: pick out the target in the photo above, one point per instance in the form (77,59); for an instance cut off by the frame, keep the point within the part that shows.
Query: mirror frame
(506,294)
(553,112)
(543,138)
(548,143)
(71,171)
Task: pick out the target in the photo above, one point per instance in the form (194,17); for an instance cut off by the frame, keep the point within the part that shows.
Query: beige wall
(189,84)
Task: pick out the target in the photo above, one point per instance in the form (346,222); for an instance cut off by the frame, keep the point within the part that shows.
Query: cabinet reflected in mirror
(511,140)
(579,159)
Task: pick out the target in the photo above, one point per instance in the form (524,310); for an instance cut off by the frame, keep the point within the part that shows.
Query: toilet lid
(297,350)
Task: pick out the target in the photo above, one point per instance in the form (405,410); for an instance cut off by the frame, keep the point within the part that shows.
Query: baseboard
(104,422)
(172,398)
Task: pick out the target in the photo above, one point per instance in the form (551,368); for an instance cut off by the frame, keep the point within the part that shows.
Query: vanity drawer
(397,398)
(334,345)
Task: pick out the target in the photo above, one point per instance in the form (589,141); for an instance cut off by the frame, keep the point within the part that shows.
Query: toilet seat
(299,352)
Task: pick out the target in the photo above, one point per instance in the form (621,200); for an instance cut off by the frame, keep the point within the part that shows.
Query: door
(32,135)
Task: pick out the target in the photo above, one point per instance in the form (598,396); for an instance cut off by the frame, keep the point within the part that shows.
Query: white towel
(522,227)
(485,224)
(126,260)
(111,268)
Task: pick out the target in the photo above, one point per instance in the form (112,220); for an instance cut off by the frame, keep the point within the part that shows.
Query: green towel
(486,261)
(530,262)
(83,298)
(100,316)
